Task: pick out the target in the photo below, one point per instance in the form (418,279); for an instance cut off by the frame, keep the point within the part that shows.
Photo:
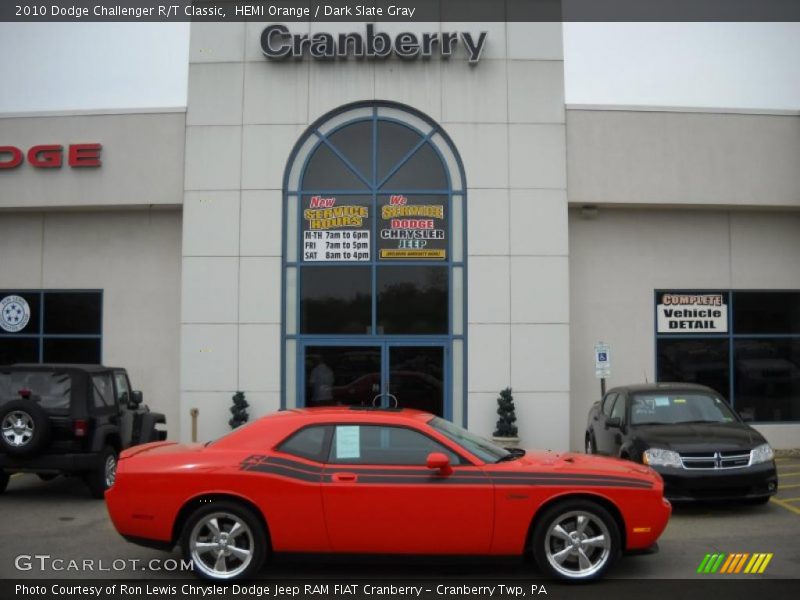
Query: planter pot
(506,442)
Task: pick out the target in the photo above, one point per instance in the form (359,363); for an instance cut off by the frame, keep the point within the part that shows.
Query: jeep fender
(101,436)
(148,431)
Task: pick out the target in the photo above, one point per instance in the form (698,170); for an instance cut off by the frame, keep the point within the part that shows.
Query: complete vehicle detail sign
(278,43)
(692,313)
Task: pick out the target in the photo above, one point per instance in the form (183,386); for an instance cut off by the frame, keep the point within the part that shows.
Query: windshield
(474,444)
(657,408)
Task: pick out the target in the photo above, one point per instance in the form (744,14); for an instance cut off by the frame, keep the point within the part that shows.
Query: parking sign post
(602,364)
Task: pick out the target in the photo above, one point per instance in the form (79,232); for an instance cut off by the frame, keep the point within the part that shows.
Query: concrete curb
(788,453)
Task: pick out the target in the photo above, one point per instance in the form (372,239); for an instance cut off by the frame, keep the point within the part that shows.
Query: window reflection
(412,300)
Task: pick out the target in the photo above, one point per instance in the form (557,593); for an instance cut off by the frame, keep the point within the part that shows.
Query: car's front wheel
(224,541)
(576,540)
(103,476)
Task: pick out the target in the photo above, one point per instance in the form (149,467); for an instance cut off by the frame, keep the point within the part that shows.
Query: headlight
(761,454)
(658,457)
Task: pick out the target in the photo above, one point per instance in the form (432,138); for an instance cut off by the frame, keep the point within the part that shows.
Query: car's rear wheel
(576,540)
(224,541)
(103,476)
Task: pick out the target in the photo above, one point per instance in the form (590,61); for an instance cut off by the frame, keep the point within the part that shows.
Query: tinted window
(335,300)
(766,312)
(19,350)
(307,443)
(326,171)
(395,141)
(702,360)
(122,389)
(423,171)
(618,412)
(355,142)
(474,444)
(53,389)
(103,391)
(374,445)
(608,403)
(71,312)
(767,379)
(412,300)
(74,351)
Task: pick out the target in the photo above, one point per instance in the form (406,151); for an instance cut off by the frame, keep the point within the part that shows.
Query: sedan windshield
(659,408)
(474,444)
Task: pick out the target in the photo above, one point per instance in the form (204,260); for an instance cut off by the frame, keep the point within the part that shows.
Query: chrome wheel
(221,545)
(17,428)
(577,544)
(110,470)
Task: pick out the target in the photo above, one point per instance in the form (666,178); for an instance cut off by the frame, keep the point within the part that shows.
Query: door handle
(345,477)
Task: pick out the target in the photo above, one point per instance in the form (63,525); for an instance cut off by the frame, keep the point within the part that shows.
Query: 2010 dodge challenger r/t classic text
(381,481)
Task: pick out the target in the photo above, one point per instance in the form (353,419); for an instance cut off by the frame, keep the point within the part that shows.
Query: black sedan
(689,434)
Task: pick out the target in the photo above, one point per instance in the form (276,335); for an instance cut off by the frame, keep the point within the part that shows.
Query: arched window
(374,263)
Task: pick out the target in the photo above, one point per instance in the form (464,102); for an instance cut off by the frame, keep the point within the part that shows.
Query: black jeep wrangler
(71,419)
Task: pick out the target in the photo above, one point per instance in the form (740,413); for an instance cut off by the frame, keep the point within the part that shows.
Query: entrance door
(386,374)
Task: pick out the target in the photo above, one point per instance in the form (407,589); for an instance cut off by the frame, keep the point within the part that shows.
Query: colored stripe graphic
(737,562)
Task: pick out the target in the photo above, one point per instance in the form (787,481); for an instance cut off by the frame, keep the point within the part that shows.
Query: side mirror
(440,461)
(135,401)
(614,422)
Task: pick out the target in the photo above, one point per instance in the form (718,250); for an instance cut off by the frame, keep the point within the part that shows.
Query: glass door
(417,377)
(387,374)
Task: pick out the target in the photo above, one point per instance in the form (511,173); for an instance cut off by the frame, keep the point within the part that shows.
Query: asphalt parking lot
(59,520)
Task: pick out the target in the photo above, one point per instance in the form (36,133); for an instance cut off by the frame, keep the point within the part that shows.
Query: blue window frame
(64,326)
(754,360)
(375,231)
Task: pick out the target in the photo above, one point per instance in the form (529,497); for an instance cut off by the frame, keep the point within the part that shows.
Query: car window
(618,412)
(668,408)
(53,389)
(310,443)
(103,391)
(123,390)
(383,445)
(608,403)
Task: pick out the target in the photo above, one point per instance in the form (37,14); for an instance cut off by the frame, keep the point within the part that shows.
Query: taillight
(80,427)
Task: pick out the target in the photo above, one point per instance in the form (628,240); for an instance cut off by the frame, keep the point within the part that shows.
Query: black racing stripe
(294,464)
(576,482)
(285,472)
(375,479)
(523,474)
(472,474)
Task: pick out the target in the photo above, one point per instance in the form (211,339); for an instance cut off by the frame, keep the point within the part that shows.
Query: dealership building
(394,213)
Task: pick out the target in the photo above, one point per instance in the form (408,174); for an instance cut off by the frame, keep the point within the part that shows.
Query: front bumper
(52,463)
(743,483)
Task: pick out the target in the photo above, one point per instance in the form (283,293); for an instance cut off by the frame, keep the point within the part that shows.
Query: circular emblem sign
(14,313)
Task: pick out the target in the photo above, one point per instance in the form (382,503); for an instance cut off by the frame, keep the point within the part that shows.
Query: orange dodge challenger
(381,481)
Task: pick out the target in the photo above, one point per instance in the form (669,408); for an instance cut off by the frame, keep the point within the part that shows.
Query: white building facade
(425,231)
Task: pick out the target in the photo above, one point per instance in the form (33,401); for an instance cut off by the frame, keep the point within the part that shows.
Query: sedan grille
(734,459)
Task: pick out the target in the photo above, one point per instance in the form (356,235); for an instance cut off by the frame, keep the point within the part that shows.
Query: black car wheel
(759,500)
(224,541)
(24,427)
(590,447)
(576,540)
(102,478)
(4,477)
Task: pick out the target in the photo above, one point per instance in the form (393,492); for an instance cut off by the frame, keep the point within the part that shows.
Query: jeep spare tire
(24,427)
